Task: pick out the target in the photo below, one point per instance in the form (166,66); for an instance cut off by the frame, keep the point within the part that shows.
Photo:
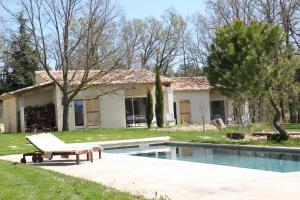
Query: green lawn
(16,143)
(28,182)
(20,181)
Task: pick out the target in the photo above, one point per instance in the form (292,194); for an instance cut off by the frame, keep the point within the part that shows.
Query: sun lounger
(48,146)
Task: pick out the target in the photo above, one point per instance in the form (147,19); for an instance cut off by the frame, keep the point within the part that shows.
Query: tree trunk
(65,113)
(281,105)
(276,120)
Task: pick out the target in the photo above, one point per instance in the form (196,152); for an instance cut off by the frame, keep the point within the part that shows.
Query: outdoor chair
(48,146)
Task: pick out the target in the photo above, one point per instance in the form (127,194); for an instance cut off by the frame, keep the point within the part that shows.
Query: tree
(149,41)
(251,61)
(131,37)
(74,34)
(20,60)
(159,97)
(149,108)
(169,42)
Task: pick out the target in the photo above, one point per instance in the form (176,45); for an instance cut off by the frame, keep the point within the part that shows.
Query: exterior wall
(141,91)
(199,103)
(168,104)
(10,114)
(1,117)
(138,91)
(215,95)
(40,98)
(57,99)
(17,104)
(112,107)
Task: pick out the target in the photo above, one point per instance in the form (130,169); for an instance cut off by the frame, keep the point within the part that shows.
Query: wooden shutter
(92,110)
(185,111)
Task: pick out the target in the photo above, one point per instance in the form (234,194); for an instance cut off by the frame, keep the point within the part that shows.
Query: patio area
(178,179)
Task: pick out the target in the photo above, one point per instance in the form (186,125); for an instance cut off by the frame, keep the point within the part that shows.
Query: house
(1,118)
(117,99)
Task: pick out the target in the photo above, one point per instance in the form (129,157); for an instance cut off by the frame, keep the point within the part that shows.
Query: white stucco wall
(199,105)
(168,104)
(112,107)
(10,115)
(57,99)
(39,98)
(1,117)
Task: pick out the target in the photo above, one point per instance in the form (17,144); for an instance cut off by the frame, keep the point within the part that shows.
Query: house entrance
(185,111)
(135,110)
(217,110)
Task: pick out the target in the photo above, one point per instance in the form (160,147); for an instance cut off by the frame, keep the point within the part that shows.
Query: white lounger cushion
(47,142)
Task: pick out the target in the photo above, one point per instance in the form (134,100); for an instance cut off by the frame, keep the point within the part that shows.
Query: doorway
(185,111)
(135,111)
(217,110)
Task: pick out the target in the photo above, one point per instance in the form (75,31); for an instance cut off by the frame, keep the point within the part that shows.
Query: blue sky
(144,8)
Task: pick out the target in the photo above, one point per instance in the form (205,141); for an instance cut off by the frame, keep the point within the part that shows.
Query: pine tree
(21,64)
(159,106)
(149,108)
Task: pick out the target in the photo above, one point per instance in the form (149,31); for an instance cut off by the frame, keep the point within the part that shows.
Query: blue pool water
(262,160)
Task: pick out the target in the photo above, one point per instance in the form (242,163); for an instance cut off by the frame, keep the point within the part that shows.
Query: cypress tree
(149,108)
(159,96)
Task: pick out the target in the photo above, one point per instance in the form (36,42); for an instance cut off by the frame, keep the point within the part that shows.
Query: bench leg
(91,156)
(100,151)
(88,156)
(77,159)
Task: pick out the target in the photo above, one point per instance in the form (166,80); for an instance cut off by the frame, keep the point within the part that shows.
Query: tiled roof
(23,90)
(112,77)
(190,83)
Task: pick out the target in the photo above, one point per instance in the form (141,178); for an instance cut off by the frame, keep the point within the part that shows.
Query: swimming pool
(253,159)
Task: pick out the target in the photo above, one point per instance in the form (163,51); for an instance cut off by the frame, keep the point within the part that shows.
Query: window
(79,119)
(135,110)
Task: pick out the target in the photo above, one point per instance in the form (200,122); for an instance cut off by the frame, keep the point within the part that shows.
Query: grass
(20,181)
(29,182)
(14,143)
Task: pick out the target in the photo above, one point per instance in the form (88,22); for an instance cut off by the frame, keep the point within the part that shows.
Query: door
(175,112)
(79,118)
(217,110)
(185,112)
(135,110)
(92,111)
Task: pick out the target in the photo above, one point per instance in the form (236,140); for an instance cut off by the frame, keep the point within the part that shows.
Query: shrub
(149,108)
(159,106)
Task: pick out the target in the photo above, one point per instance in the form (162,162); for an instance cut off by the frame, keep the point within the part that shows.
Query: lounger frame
(40,153)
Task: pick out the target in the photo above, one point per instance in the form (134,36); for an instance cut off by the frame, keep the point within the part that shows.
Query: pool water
(262,160)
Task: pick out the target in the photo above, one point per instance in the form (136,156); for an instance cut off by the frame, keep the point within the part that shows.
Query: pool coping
(236,146)
(131,142)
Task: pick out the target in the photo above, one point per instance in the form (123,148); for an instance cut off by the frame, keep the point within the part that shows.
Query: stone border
(132,142)
(238,147)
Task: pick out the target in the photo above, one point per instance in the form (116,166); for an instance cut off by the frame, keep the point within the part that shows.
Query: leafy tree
(149,108)
(251,61)
(21,62)
(159,96)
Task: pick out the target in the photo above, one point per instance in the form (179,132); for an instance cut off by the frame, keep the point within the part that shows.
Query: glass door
(79,117)
(135,110)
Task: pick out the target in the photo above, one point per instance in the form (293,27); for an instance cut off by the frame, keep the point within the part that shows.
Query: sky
(144,8)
